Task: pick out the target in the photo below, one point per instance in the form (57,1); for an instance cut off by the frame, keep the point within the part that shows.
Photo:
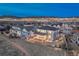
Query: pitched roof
(48,28)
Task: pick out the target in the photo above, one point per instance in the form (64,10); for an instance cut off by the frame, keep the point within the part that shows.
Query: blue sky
(39,9)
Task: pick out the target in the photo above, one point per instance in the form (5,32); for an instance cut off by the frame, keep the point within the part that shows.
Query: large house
(50,32)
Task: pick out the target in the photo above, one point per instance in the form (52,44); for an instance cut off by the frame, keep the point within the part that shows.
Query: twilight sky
(39,9)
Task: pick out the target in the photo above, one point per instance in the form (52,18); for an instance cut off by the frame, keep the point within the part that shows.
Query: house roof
(28,28)
(48,28)
(75,30)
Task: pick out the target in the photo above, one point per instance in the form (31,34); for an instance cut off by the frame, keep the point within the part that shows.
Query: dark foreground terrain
(25,48)
(7,50)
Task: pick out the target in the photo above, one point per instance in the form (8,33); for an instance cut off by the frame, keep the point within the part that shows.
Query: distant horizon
(37,16)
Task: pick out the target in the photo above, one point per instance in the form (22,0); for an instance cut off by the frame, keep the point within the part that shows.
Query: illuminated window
(43,31)
(38,30)
(49,32)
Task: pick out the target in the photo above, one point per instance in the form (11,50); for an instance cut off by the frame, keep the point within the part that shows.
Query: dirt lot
(33,49)
(7,50)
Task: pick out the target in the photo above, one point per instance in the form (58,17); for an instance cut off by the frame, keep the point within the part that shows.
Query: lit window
(49,32)
(43,31)
(38,30)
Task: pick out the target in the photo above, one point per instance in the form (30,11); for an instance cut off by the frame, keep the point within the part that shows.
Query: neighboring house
(66,30)
(16,31)
(76,29)
(22,32)
(75,38)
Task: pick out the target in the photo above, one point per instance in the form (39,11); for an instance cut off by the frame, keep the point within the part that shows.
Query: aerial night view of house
(37,29)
